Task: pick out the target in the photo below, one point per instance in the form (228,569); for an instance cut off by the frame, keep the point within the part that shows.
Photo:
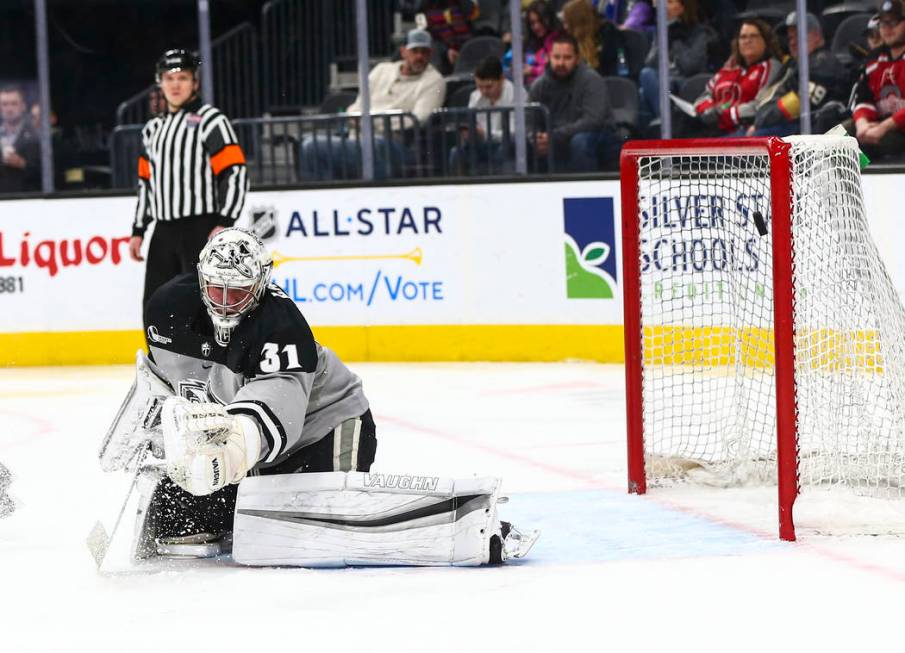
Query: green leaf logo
(583,279)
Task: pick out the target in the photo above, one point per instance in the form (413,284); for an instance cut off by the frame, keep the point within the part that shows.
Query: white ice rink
(691,570)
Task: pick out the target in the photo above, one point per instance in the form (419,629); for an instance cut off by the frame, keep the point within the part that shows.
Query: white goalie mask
(233,269)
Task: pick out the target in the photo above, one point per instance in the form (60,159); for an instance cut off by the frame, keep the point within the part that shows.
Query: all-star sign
(440,255)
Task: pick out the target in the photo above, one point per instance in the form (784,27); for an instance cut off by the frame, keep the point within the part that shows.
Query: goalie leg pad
(337,519)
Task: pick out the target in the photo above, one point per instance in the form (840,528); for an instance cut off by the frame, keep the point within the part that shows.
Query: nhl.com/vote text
(381,288)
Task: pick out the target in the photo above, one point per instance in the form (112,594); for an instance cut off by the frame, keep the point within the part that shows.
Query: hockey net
(764,337)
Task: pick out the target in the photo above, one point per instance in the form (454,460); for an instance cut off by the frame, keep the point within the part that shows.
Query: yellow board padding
(601,343)
(818,349)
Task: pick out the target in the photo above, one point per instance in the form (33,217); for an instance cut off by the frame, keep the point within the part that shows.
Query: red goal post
(726,243)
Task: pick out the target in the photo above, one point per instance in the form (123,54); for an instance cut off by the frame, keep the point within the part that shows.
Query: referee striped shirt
(190,165)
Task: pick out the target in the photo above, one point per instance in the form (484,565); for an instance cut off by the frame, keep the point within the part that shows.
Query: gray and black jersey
(190,165)
(272,370)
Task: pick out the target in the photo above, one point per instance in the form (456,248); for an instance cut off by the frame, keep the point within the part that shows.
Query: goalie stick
(98,540)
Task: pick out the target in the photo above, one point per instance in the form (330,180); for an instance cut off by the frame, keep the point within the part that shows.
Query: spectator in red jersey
(729,103)
(878,115)
(543,27)
(449,23)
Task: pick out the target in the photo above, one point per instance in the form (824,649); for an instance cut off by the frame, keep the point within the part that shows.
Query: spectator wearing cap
(866,50)
(492,139)
(872,33)
(688,46)
(20,162)
(878,115)
(411,85)
(729,103)
(830,84)
(580,114)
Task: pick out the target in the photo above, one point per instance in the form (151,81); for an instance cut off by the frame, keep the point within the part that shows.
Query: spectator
(450,24)
(878,118)
(490,149)
(493,20)
(411,85)
(729,103)
(641,17)
(778,112)
(864,52)
(579,109)
(21,149)
(688,43)
(543,27)
(872,33)
(599,40)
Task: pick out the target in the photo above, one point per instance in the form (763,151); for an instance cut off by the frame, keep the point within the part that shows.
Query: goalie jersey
(272,369)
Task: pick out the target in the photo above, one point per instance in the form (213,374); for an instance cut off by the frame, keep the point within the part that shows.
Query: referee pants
(174,249)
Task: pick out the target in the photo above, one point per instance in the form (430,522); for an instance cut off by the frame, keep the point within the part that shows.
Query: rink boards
(512,271)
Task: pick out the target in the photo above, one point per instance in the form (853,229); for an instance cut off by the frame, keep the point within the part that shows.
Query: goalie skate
(516,544)
(199,545)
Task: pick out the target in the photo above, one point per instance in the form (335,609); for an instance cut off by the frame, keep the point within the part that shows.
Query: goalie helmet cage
(763,335)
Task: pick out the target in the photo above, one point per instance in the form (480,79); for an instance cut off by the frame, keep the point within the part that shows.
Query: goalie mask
(233,269)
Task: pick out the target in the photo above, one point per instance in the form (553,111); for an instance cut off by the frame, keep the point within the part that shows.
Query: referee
(191,175)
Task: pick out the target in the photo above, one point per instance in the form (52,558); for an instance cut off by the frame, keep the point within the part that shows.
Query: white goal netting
(708,390)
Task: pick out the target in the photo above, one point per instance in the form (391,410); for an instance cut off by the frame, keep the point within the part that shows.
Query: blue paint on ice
(603,526)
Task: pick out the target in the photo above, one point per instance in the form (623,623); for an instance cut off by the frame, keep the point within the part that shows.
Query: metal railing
(237,86)
(300,39)
(299,149)
(459,144)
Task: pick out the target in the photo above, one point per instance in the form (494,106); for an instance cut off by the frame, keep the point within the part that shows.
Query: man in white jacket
(486,145)
(411,85)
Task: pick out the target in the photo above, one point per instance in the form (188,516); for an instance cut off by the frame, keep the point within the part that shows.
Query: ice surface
(689,568)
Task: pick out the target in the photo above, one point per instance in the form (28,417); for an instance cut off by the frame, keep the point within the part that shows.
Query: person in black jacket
(779,110)
(689,43)
(20,164)
(580,113)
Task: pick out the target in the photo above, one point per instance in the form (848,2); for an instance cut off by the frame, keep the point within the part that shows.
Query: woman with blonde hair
(599,40)
(581,20)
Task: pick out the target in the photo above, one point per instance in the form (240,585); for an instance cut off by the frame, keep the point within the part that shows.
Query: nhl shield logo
(264,222)
(205,349)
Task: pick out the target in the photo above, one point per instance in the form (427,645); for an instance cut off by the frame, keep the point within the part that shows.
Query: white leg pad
(340,519)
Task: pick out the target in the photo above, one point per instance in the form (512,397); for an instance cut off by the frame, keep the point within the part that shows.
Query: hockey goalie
(263,440)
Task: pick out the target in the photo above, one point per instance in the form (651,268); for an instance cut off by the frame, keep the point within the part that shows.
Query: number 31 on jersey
(273,358)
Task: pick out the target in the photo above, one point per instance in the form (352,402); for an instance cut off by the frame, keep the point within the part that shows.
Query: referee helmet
(178,59)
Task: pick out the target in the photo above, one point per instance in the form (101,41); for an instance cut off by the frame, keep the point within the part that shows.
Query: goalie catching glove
(207,448)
